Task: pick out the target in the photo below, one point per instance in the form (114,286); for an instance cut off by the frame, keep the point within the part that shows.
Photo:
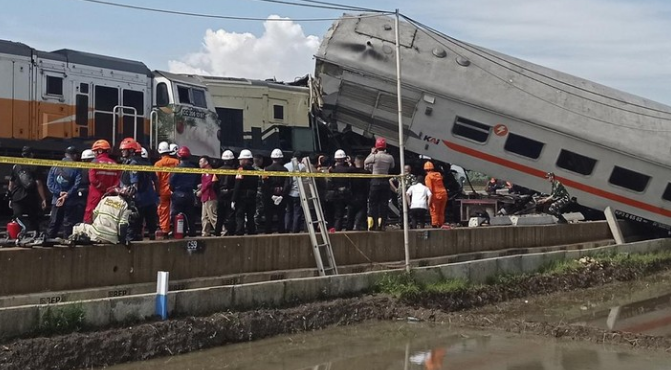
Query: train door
(106,98)
(15,98)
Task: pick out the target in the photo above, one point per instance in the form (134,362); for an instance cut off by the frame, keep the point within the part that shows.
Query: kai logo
(431,139)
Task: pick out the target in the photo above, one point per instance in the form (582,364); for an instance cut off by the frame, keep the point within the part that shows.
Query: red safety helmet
(184,152)
(127,144)
(138,148)
(380,143)
(101,145)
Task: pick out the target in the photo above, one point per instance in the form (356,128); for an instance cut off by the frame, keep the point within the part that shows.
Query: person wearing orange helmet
(163,178)
(140,188)
(379,162)
(99,179)
(434,181)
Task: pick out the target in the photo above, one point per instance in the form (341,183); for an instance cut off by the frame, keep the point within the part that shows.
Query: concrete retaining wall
(102,312)
(58,269)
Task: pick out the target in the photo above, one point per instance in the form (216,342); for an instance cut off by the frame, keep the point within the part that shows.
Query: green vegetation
(62,320)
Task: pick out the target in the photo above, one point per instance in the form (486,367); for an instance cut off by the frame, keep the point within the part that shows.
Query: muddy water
(404,345)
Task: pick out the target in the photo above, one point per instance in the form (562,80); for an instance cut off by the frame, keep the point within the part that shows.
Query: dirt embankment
(141,342)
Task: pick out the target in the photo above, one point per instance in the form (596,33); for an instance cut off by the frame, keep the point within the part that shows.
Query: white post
(162,295)
(401,147)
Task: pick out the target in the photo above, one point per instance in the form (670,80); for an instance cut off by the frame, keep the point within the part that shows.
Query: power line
(342,5)
(202,15)
(324,5)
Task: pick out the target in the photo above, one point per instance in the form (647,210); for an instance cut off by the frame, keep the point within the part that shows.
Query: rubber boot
(371,224)
(380,225)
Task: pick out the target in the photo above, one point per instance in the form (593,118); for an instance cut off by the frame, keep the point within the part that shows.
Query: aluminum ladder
(319,237)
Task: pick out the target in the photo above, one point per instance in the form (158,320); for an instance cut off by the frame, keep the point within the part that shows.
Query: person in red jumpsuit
(100,179)
(434,181)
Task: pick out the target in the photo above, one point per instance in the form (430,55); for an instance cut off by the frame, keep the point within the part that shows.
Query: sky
(623,44)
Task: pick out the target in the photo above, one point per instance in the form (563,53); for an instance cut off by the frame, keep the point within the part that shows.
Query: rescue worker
(294,218)
(163,179)
(379,162)
(244,195)
(27,194)
(63,183)
(339,191)
(418,203)
(83,192)
(208,198)
(100,179)
(140,188)
(259,213)
(356,210)
(396,186)
(492,186)
(183,186)
(275,193)
(110,222)
(226,185)
(558,199)
(174,148)
(434,181)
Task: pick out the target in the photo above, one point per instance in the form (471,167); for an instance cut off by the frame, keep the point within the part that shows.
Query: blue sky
(620,43)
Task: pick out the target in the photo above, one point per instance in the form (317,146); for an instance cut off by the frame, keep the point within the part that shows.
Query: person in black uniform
(183,186)
(275,192)
(356,212)
(339,190)
(83,192)
(244,195)
(226,184)
(27,194)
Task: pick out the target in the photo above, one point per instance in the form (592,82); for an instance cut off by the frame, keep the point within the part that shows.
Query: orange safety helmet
(184,152)
(428,166)
(127,143)
(380,143)
(101,145)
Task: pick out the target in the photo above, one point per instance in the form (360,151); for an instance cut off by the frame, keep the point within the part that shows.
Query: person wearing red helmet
(140,187)
(183,186)
(99,179)
(379,162)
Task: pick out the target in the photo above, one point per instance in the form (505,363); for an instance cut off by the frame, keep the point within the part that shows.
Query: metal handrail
(121,109)
(153,125)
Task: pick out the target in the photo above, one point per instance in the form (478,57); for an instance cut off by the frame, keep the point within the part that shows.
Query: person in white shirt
(419,197)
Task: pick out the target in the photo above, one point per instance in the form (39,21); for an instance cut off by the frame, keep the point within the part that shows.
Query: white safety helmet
(164,147)
(173,149)
(88,154)
(340,154)
(227,155)
(246,154)
(276,154)
(144,154)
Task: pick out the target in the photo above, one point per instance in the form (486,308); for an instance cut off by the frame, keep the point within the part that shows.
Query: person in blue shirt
(183,187)
(63,183)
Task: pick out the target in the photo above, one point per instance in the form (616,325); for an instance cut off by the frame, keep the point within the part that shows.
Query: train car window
(523,146)
(278,111)
(162,97)
(183,93)
(134,99)
(629,179)
(82,110)
(575,162)
(54,85)
(199,98)
(84,88)
(667,193)
(106,98)
(471,130)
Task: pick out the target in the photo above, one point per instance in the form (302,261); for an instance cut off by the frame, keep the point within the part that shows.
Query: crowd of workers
(235,204)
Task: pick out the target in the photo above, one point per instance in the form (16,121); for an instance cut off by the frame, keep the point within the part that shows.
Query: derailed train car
(500,115)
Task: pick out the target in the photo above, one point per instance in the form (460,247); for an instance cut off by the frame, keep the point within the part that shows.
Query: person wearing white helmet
(244,195)
(164,192)
(88,155)
(144,153)
(226,184)
(339,189)
(173,150)
(275,191)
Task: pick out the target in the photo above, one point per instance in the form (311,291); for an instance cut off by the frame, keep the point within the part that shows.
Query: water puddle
(403,346)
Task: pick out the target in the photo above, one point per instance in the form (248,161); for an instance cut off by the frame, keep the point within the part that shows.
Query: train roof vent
(103,61)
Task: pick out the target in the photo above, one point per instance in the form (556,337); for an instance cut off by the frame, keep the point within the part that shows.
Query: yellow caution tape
(216,171)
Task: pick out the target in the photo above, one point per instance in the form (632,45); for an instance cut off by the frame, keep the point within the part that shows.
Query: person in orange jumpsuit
(164,192)
(434,181)
(100,179)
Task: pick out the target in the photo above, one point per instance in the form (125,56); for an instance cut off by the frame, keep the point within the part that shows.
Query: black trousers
(184,203)
(147,215)
(294,219)
(418,217)
(64,217)
(356,215)
(273,210)
(27,213)
(378,202)
(225,216)
(339,211)
(245,209)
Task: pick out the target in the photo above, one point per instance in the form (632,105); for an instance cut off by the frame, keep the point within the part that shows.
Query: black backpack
(25,177)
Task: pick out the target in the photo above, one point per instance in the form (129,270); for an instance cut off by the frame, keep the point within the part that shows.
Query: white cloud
(622,44)
(283,51)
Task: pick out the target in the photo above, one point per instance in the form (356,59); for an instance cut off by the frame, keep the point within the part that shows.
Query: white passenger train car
(500,115)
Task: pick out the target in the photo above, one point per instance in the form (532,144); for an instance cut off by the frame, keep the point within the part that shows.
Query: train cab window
(183,93)
(278,111)
(471,130)
(54,85)
(575,162)
(523,146)
(629,179)
(667,193)
(162,97)
(199,98)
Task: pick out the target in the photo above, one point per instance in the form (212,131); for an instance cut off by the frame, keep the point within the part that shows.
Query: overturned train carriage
(500,115)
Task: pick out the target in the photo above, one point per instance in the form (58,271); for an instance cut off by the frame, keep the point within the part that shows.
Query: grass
(62,320)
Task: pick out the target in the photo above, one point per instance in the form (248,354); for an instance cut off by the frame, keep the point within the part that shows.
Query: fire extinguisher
(13,229)
(179,226)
